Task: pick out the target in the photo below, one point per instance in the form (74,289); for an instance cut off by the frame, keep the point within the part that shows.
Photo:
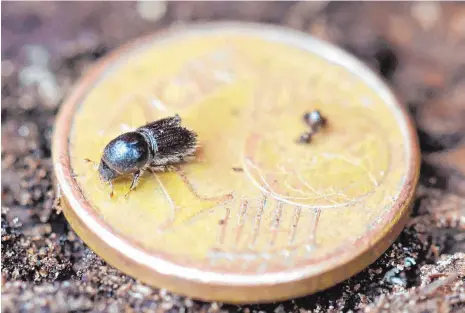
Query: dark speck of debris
(237,169)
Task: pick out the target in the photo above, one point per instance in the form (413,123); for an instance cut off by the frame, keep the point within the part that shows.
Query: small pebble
(151,10)
(409,261)
(37,55)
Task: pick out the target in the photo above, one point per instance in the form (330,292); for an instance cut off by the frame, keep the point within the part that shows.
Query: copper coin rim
(206,285)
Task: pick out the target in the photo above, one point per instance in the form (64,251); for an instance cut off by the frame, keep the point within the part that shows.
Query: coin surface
(256,217)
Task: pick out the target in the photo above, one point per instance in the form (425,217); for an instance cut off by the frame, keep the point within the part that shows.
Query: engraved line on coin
(294,224)
(174,208)
(192,189)
(323,196)
(241,219)
(276,222)
(224,225)
(284,256)
(319,194)
(258,219)
(312,230)
(330,192)
(266,188)
(200,215)
(358,164)
(170,226)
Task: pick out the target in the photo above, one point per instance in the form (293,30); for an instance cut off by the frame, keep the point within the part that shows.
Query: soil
(418,48)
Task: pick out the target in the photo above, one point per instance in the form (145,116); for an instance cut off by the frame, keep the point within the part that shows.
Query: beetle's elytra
(155,146)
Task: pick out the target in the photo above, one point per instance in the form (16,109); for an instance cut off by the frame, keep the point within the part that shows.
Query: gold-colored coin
(256,217)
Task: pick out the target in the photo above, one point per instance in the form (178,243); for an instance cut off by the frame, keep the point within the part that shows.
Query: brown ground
(419,48)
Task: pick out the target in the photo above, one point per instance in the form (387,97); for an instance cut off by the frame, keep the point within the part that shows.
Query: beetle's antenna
(94,164)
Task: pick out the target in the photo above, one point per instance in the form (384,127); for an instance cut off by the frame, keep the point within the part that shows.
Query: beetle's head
(107,174)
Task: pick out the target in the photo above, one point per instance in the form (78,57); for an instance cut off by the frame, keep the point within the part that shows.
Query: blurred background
(419,49)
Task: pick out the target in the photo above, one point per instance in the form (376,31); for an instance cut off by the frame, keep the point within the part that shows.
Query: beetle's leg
(156,168)
(112,189)
(135,181)
(163,168)
(94,164)
(170,168)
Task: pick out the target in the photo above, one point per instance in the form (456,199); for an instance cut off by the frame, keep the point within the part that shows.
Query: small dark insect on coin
(156,146)
(315,121)
(306,137)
